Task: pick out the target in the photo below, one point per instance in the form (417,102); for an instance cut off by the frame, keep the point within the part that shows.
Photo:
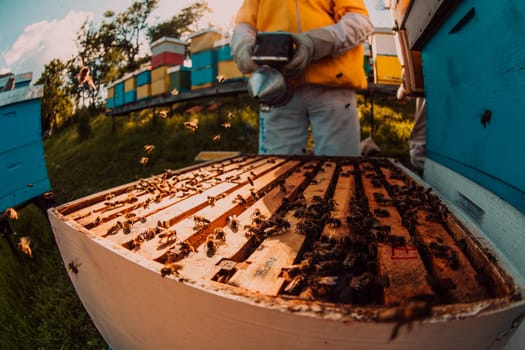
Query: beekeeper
(323,74)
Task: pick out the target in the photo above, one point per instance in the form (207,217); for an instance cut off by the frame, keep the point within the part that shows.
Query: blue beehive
(202,76)
(143,77)
(118,98)
(204,59)
(474,87)
(23,171)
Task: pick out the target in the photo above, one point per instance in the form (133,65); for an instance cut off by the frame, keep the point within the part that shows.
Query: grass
(39,308)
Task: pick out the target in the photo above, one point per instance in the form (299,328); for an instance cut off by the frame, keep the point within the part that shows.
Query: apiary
(342,242)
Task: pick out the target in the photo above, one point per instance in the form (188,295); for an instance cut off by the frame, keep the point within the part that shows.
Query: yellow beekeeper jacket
(295,16)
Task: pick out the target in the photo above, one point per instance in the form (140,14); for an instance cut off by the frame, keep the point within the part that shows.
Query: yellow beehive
(129,84)
(159,73)
(143,91)
(387,70)
(160,86)
(229,70)
(204,40)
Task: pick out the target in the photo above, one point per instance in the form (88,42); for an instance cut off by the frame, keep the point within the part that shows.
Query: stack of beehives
(204,58)
(166,52)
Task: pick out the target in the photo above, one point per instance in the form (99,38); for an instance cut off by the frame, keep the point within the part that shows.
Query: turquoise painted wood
(130,96)
(204,59)
(474,72)
(203,75)
(143,78)
(23,171)
(224,53)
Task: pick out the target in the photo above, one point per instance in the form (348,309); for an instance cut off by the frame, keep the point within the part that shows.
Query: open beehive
(335,238)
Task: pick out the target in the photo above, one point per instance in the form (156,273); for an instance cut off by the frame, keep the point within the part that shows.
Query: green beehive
(179,78)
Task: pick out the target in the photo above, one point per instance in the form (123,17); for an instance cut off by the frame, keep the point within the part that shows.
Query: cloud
(43,41)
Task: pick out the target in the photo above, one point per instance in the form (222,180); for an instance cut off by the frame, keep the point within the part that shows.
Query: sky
(36,31)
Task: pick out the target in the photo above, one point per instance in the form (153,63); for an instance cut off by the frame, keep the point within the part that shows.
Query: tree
(181,24)
(56,106)
(128,26)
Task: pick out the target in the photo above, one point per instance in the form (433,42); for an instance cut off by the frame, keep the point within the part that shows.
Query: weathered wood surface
(266,263)
(400,260)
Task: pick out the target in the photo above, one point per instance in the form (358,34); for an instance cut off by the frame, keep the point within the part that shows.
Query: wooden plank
(452,271)
(237,242)
(217,214)
(400,260)
(177,208)
(172,180)
(263,274)
(338,230)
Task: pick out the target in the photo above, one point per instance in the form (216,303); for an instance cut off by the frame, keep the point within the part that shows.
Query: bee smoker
(267,85)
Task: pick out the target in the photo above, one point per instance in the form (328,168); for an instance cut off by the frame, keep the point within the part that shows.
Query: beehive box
(179,78)
(143,92)
(143,77)
(166,59)
(387,70)
(203,76)
(224,52)
(358,240)
(229,70)
(204,59)
(23,171)
(204,40)
(167,44)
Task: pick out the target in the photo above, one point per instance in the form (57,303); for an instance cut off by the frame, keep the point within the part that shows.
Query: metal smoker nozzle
(267,85)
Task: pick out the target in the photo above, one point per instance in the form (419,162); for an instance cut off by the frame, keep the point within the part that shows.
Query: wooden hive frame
(341,235)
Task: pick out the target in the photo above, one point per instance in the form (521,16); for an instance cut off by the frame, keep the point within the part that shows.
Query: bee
(186,248)
(163,224)
(334,222)
(167,237)
(84,76)
(211,200)
(163,114)
(149,148)
(174,92)
(144,161)
(211,244)
(231,115)
(226,125)
(233,223)
(114,229)
(221,78)
(11,214)
(170,269)
(295,286)
(193,125)
(219,234)
(200,222)
(126,226)
(216,138)
(250,180)
(239,199)
(24,245)
(73,266)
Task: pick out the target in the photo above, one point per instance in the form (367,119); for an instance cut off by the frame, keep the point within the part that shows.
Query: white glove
(310,46)
(242,43)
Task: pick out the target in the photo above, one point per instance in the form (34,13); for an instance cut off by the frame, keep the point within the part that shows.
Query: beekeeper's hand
(242,43)
(310,46)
